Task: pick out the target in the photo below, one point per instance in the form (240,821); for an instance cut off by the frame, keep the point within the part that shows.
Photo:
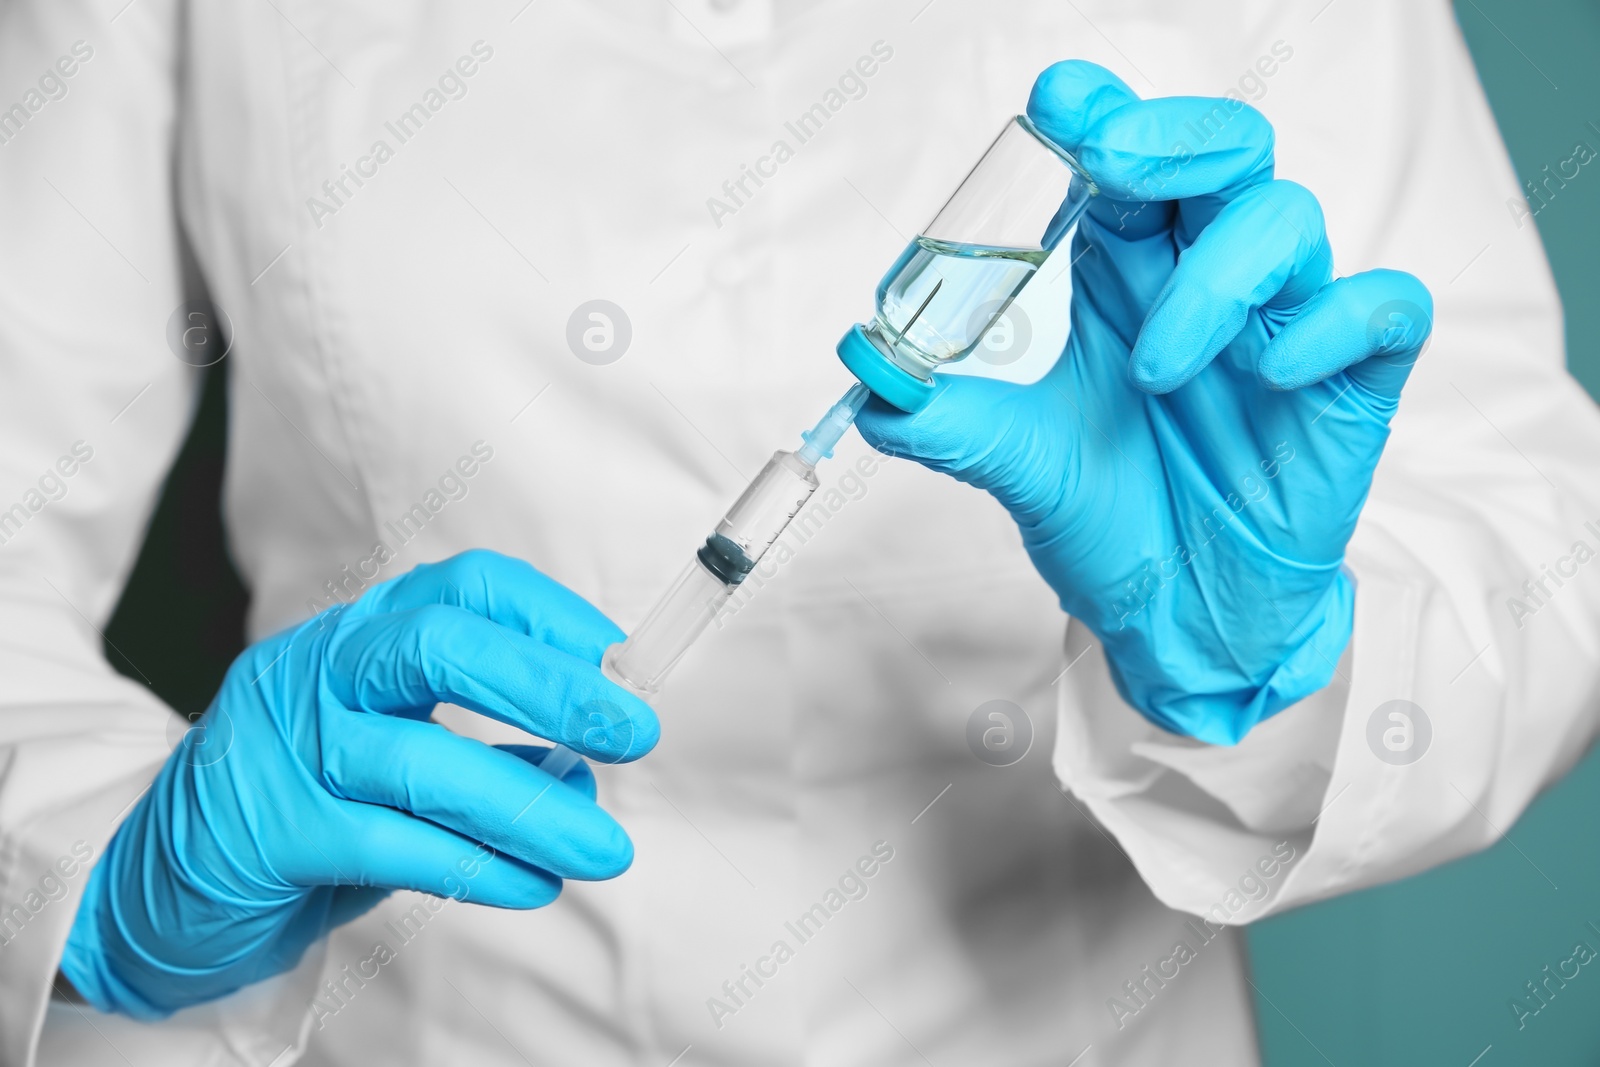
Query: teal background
(1420,972)
(1423,971)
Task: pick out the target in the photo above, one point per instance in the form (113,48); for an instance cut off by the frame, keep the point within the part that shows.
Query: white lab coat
(378,342)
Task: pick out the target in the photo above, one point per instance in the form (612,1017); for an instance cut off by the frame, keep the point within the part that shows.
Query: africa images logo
(1399,732)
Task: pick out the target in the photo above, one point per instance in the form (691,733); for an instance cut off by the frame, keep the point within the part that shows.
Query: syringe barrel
(737,544)
(764,509)
(642,661)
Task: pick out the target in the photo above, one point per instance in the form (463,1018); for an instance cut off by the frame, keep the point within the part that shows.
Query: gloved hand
(320,785)
(1187,475)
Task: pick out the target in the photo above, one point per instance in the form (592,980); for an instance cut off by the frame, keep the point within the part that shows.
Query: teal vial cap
(882,375)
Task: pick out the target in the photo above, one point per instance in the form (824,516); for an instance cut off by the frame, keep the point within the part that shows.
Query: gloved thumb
(998,436)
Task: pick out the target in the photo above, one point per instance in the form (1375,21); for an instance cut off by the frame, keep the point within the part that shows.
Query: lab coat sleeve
(93,408)
(1476,560)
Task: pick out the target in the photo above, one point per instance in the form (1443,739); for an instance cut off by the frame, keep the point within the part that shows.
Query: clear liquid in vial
(940,297)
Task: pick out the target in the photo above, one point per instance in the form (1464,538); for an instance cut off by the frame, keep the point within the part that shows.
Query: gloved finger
(440,654)
(1069,97)
(1266,249)
(995,435)
(1372,325)
(578,776)
(350,902)
(508,591)
(481,792)
(1067,100)
(1200,151)
(389,849)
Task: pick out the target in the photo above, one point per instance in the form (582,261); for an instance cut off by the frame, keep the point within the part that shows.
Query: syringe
(756,520)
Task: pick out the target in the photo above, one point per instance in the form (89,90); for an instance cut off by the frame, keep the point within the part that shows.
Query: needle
(931,294)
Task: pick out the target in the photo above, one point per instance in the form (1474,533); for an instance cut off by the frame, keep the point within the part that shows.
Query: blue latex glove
(1188,474)
(315,784)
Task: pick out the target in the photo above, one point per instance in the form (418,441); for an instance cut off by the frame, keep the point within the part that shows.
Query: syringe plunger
(756,520)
